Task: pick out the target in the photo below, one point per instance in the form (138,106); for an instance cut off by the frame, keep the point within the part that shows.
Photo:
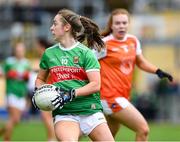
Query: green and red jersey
(15,70)
(68,67)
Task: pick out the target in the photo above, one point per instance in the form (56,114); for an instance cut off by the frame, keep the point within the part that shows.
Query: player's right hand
(34,103)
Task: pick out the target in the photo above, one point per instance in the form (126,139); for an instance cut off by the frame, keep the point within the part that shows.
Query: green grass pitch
(35,131)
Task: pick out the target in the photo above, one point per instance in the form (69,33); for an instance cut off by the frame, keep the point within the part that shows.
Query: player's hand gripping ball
(49,97)
(44,95)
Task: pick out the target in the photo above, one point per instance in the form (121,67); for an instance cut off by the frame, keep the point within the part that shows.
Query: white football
(44,95)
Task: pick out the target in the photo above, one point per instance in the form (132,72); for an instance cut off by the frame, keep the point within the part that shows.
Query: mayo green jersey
(16,86)
(68,68)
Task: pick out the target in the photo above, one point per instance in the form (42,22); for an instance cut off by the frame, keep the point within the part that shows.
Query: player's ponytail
(83,29)
(90,34)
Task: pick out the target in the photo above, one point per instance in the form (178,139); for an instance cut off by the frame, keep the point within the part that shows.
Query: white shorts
(14,101)
(115,105)
(87,122)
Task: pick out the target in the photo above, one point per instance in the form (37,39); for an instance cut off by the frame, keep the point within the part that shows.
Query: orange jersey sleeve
(117,67)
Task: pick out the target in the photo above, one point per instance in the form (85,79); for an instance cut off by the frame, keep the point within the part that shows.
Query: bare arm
(41,77)
(145,65)
(93,85)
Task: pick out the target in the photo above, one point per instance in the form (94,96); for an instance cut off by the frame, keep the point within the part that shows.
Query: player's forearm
(41,77)
(39,82)
(88,89)
(145,65)
(148,67)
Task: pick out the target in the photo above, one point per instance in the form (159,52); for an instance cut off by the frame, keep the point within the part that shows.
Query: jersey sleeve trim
(91,70)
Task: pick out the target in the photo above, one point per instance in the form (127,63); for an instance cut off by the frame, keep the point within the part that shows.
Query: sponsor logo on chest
(76,59)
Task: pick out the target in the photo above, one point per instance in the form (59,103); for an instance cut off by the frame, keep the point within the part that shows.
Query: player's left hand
(161,74)
(68,96)
(63,98)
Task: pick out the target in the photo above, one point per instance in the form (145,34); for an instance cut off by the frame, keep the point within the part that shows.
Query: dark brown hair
(44,42)
(83,29)
(108,29)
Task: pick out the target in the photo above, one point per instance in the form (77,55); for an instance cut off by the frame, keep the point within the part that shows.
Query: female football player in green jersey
(74,67)
(16,70)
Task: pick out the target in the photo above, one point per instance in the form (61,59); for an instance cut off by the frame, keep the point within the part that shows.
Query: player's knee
(16,121)
(144,130)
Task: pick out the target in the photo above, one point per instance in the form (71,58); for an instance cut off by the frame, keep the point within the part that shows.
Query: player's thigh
(67,130)
(113,123)
(131,118)
(111,120)
(101,133)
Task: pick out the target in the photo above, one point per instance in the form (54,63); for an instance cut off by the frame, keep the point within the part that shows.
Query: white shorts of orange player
(116,105)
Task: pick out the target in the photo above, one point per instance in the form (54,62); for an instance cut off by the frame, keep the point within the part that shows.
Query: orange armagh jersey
(117,66)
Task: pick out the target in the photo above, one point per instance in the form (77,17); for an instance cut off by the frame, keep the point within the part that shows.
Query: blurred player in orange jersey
(41,45)
(122,53)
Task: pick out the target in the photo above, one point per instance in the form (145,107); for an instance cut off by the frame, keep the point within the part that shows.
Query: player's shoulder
(131,36)
(52,47)
(107,38)
(82,46)
(10,59)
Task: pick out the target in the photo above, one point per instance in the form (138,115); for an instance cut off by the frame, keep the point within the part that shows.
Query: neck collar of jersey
(69,48)
(124,38)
